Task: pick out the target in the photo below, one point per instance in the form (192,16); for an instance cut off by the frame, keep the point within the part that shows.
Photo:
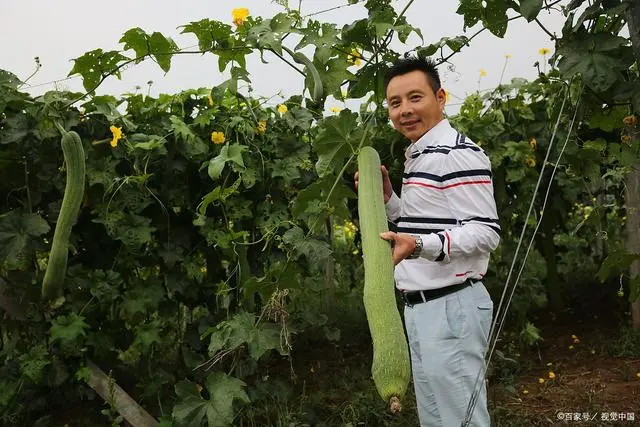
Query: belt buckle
(404,298)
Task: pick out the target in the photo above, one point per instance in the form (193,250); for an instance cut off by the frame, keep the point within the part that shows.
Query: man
(447,225)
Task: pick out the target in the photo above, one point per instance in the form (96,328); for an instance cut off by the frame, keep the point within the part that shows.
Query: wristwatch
(418,250)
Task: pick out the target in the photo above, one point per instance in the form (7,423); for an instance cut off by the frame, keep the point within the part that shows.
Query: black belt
(416,297)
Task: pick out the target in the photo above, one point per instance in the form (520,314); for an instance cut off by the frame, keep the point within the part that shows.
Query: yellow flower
(483,72)
(203,269)
(533,143)
(544,51)
(507,55)
(552,375)
(354,57)
(282,108)
(541,380)
(262,127)
(239,15)
(530,162)
(217,137)
(210,99)
(117,135)
(626,139)
(335,109)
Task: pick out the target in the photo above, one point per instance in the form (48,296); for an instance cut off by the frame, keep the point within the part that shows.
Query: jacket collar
(430,138)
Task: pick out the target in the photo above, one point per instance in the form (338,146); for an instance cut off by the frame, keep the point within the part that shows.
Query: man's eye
(416,98)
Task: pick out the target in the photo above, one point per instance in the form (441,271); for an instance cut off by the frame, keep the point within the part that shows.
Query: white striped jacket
(447,198)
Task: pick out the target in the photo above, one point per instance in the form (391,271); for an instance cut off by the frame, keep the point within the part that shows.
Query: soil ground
(333,386)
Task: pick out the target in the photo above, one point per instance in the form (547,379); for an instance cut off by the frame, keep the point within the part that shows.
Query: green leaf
(321,35)
(338,138)
(357,33)
(495,17)
(147,334)
(453,43)
(102,171)
(309,202)
(181,129)
(95,65)
(131,229)
(242,329)
(9,94)
(334,73)
(364,81)
(106,105)
(140,301)
(192,409)
(137,40)
(233,51)
(600,58)
(15,129)
(608,120)
(314,250)
(298,117)
(209,33)
(32,364)
(404,30)
(530,9)
(229,153)
(162,49)
(157,45)
(9,80)
(286,169)
(193,145)
(617,261)
(8,390)
(263,37)
(18,237)
(218,194)
(145,143)
(471,10)
(68,329)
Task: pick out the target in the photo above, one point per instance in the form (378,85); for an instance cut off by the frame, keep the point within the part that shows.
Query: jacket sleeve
(393,207)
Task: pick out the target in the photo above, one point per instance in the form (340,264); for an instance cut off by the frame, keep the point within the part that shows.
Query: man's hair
(413,63)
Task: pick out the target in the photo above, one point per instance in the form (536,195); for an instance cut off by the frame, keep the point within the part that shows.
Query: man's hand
(387,189)
(403,245)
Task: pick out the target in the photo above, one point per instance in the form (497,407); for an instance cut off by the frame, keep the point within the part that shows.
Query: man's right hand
(387,189)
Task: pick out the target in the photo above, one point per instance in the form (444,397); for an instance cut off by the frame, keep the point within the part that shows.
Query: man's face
(413,106)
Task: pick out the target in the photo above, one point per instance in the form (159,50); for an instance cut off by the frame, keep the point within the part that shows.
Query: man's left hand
(403,245)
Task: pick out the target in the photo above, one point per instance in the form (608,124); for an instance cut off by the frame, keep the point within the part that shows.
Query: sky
(58,31)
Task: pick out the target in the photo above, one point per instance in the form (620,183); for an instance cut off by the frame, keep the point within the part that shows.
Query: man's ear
(441,97)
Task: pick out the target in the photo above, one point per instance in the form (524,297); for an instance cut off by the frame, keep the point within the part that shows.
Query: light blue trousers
(448,340)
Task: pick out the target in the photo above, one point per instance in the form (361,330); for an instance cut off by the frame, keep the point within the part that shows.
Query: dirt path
(573,378)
